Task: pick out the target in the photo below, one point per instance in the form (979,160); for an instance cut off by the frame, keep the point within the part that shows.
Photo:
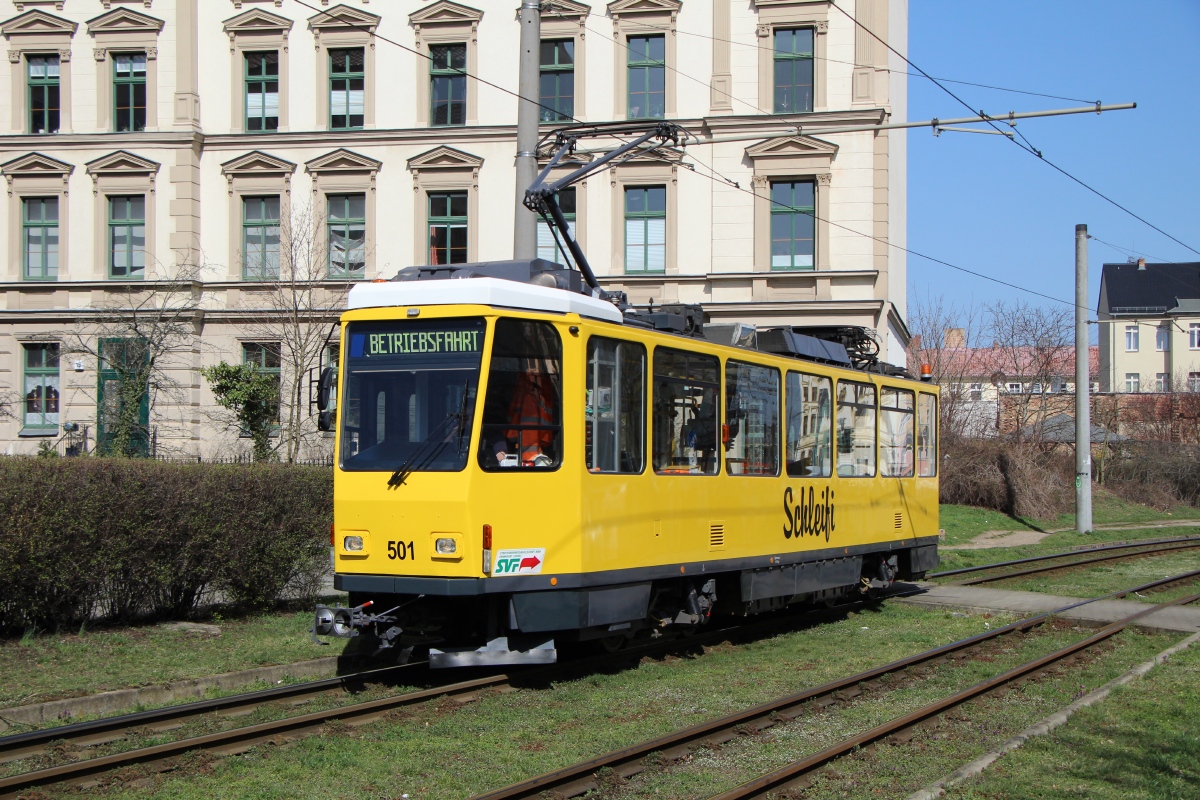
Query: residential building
(1149,317)
(204,149)
(987,391)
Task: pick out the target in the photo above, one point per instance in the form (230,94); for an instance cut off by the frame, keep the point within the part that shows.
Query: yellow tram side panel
(525,511)
(631,521)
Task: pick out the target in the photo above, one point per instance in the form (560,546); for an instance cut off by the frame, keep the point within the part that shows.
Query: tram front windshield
(409,394)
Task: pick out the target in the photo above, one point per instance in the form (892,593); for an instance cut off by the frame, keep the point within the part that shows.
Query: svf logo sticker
(519,562)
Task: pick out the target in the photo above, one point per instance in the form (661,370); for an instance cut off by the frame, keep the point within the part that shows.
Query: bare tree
(141,338)
(1032,346)
(295,311)
(946,337)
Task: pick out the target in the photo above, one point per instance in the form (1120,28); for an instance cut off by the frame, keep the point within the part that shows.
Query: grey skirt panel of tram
(925,558)
(788,581)
(585,608)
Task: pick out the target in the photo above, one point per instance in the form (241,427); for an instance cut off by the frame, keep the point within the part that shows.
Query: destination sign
(443,341)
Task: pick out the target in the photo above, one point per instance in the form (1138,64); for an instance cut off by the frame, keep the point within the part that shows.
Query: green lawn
(443,750)
(964,523)
(1142,741)
(44,667)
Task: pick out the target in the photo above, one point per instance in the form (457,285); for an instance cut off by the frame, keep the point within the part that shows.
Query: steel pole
(525,222)
(1083,408)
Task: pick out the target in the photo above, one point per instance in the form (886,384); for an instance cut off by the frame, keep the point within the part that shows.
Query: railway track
(1081,558)
(580,778)
(75,736)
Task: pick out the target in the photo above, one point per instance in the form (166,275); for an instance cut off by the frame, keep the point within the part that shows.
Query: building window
(1162,382)
(646,229)
(896,432)
(855,430)
(809,426)
(1133,382)
(43,94)
(546,248)
(448,84)
(647,77)
(41,386)
(557,80)
(39,219)
(127,236)
(1194,381)
(347,79)
(260,238)
(262,92)
(347,235)
(793,70)
(793,206)
(1014,388)
(266,357)
(976,391)
(616,406)
(752,419)
(1131,338)
(129,91)
(1194,336)
(686,425)
(1162,338)
(447,227)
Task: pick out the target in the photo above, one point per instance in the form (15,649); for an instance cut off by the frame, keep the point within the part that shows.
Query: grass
(1100,579)
(41,667)
(964,523)
(1141,742)
(895,770)
(442,750)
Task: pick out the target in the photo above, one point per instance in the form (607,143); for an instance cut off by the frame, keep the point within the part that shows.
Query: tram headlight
(352,544)
(446,546)
(323,624)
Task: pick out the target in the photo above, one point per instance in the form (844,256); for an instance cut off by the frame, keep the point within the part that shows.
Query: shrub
(1021,480)
(122,539)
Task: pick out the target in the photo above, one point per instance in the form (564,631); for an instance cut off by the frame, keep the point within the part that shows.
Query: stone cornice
(750,124)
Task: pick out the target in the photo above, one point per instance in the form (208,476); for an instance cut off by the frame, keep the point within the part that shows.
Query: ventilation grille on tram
(716,536)
(899,520)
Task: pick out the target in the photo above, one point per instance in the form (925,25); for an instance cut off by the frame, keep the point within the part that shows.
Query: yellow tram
(519,465)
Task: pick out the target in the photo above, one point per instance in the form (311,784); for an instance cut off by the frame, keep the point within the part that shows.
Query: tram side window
(752,419)
(926,436)
(896,433)
(522,414)
(809,426)
(616,406)
(686,387)
(855,430)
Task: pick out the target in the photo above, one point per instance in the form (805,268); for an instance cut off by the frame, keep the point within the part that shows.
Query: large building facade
(1149,316)
(168,161)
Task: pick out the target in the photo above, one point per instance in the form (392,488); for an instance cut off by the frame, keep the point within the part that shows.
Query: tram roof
(481,291)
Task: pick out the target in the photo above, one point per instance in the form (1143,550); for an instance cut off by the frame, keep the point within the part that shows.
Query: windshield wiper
(418,459)
(406,467)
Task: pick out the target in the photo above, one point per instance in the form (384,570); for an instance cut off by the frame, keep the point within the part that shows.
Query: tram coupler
(346,623)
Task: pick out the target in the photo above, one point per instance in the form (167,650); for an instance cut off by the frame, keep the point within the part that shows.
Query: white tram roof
(481,291)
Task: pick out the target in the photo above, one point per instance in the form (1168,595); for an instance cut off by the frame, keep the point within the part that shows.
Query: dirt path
(990,539)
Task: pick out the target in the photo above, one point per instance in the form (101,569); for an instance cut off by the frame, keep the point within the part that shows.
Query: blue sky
(982,203)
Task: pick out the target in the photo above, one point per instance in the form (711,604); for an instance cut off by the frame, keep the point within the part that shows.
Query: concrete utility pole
(1083,385)
(525,228)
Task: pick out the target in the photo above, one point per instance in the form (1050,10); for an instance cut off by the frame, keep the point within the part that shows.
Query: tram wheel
(613,644)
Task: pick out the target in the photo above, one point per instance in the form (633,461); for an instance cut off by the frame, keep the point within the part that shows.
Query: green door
(123,399)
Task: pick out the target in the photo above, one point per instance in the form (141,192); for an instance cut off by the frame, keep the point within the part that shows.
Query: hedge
(124,539)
